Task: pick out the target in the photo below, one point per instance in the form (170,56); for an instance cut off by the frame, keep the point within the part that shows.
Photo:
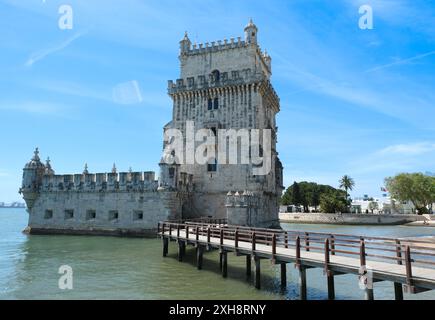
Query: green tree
(308,194)
(347,183)
(332,202)
(417,188)
(296,198)
(373,205)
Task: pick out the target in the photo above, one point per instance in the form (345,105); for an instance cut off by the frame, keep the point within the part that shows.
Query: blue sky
(357,102)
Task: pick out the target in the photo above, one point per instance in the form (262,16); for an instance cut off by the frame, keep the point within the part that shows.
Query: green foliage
(333,202)
(308,194)
(415,187)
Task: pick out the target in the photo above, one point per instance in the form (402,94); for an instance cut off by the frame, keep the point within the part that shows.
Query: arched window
(210,104)
(216,103)
(216,75)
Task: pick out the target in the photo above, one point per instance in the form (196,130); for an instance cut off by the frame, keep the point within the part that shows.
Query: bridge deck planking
(382,271)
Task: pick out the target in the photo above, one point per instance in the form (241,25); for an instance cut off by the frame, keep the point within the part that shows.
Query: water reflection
(119,268)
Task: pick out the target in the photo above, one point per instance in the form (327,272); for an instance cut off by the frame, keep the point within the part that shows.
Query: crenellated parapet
(225,79)
(246,199)
(214,46)
(100,182)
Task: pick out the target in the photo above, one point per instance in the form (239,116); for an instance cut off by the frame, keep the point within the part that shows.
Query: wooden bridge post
(302,271)
(368,292)
(283,275)
(257,272)
(199,254)
(329,273)
(408,265)
(248,265)
(398,289)
(224,264)
(165,246)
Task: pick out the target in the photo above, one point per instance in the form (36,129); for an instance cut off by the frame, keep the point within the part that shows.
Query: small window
(113,215)
(212,167)
(138,215)
(216,103)
(69,214)
(91,215)
(216,75)
(171,173)
(213,129)
(210,104)
(48,214)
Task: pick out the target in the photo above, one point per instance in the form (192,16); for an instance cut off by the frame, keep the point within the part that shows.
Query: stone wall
(349,219)
(112,213)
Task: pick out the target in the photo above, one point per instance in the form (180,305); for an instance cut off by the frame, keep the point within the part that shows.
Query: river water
(123,268)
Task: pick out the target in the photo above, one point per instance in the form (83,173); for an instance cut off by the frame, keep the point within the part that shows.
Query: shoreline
(356,219)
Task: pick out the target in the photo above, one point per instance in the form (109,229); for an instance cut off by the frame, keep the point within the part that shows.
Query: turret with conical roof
(251,31)
(185,44)
(33,172)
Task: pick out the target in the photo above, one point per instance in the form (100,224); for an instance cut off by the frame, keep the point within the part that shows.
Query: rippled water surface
(123,268)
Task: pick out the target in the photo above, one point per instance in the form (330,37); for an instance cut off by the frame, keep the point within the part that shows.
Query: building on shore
(223,85)
(385,205)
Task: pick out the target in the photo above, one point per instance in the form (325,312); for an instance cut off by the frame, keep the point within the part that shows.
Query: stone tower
(225,85)
(33,172)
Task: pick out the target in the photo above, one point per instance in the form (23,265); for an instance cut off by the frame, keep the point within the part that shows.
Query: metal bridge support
(398,291)
(181,250)
(165,246)
(248,265)
(302,283)
(369,294)
(331,286)
(283,276)
(199,254)
(224,256)
(257,273)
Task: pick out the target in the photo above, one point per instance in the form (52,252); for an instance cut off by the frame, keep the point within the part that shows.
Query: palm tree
(347,183)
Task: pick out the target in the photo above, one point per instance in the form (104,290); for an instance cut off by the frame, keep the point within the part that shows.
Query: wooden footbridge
(409,264)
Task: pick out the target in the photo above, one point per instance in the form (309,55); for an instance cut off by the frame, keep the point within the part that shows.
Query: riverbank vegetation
(310,194)
(417,188)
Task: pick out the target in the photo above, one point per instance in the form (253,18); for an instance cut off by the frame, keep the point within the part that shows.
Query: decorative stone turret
(85,171)
(185,44)
(48,169)
(242,209)
(251,33)
(33,173)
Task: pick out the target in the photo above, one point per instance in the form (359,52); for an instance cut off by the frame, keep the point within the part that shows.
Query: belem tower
(223,85)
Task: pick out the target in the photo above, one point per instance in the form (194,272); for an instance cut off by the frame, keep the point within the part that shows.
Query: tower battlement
(222,54)
(99,182)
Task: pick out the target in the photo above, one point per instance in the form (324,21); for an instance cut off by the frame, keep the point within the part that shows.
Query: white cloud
(39,55)
(35,107)
(411,149)
(401,61)
(3,174)
(411,157)
(127,93)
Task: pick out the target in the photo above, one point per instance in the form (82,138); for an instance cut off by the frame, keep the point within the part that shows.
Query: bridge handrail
(381,248)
